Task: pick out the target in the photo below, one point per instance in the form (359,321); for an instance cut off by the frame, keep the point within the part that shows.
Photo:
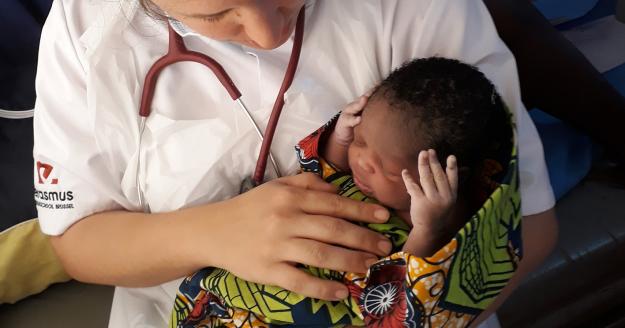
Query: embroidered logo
(43,173)
(51,199)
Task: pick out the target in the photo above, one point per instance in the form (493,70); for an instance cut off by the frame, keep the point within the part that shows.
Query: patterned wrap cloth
(448,289)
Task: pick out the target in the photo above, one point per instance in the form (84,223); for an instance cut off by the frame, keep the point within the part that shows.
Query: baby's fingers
(411,186)
(369,92)
(356,106)
(452,174)
(440,179)
(352,120)
(426,177)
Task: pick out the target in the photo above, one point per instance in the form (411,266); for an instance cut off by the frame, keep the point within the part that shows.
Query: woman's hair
(152,10)
(453,108)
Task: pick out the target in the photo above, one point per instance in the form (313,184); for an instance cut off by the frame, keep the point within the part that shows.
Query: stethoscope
(178,52)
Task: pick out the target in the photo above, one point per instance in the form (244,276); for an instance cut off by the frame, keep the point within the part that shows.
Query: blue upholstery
(568,152)
(20,28)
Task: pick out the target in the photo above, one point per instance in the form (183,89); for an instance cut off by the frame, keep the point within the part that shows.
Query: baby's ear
(464,175)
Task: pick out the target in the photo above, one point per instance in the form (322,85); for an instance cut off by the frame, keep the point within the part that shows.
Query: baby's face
(378,154)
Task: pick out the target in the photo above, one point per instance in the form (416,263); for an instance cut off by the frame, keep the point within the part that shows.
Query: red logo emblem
(43,172)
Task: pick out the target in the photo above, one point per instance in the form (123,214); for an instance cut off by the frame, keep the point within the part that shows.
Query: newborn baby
(375,151)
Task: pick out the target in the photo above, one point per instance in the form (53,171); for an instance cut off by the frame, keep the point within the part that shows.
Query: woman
(197,146)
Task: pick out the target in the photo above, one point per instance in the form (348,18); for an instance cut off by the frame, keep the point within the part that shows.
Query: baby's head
(431,103)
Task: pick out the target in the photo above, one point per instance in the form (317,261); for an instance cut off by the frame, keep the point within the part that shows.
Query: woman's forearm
(134,249)
(556,77)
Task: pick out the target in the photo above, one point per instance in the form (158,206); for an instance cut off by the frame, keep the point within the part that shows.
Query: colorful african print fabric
(448,289)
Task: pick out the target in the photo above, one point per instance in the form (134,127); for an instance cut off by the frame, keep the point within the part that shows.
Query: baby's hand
(349,118)
(336,148)
(431,204)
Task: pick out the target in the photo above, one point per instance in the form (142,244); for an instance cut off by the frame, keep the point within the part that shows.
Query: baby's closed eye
(393,176)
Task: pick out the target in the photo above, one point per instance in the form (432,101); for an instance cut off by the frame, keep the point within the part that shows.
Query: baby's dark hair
(451,106)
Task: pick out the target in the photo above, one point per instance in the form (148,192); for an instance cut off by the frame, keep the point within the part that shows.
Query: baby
(427,109)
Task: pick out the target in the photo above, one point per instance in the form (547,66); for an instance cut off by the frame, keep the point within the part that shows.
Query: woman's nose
(266,29)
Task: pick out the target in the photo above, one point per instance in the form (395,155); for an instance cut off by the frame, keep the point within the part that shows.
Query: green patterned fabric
(450,288)
(487,255)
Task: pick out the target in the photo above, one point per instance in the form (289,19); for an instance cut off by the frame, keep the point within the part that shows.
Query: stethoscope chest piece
(247,184)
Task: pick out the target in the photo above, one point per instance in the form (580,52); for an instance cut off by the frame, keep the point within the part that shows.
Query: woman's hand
(431,203)
(296,219)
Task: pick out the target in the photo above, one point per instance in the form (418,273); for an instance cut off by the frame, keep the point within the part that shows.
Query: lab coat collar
(182,29)
(112,19)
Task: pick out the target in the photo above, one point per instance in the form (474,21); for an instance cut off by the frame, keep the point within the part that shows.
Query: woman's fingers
(325,213)
(343,233)
(324,203)
(322,255)
(308,181)
(297,219)
(300,282)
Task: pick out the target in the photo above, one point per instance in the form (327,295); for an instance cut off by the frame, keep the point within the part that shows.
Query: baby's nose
(368,168)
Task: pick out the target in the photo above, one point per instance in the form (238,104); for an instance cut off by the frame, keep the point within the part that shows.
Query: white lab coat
(198,145)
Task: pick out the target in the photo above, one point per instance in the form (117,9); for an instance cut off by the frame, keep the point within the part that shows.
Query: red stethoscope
(178,52)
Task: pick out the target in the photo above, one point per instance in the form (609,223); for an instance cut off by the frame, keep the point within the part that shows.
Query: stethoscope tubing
(260,135)
(289,75)
(177,52)
(144,206)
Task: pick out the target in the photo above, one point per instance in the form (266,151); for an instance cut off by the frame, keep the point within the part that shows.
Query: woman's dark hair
(453,107)
(152,10)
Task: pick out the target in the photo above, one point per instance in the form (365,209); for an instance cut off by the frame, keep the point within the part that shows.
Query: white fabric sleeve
(464,30)
(72,178)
